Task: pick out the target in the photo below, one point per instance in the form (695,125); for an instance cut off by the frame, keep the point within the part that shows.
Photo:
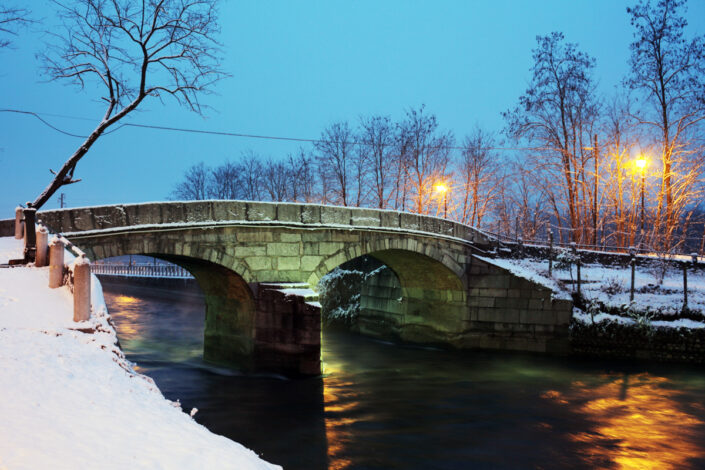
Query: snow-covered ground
(610,285)
(69,399)
(10,249)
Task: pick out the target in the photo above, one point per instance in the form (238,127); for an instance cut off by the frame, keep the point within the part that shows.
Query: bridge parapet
(255,213)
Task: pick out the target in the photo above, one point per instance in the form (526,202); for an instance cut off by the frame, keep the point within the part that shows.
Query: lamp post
(443,189)
(641,164)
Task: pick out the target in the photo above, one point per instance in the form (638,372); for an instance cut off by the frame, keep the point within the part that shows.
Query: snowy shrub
(564,259)
(659,267)
(339,295)
(642,318)
(593,308)
(339,290)
(612,286)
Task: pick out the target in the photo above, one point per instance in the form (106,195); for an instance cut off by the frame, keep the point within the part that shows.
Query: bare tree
(251,173)
(276,180)
(619,175)
(426,156)
(302,177)
(557,113)
(670,71)
(194,186)
(224,182)
(377,139)
(12,18)
(133,50)
(480,177)
(335,153)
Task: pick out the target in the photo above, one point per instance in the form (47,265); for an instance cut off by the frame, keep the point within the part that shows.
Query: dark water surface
(381,406)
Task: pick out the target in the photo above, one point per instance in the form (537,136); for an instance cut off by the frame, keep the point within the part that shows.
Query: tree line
(621,170)
(579,172)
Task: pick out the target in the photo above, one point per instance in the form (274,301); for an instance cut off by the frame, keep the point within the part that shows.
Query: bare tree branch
(134,49)
(11,20)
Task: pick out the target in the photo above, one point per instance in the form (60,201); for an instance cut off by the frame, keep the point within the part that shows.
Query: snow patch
(70,399)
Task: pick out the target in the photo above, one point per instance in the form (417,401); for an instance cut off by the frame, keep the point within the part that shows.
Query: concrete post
(19,224)
(42,247)
(81,289)
(56,263)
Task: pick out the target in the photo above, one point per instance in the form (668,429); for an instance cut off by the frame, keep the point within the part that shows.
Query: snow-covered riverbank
(658,292)
(69,399)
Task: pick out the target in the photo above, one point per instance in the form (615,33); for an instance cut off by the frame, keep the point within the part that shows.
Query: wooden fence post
(19,224)
(42,247)
(632,262)
(56,263)
(685,287)
(550,252)
(576,256)
(81,289)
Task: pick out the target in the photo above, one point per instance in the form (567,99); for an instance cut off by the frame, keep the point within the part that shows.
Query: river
(385,406)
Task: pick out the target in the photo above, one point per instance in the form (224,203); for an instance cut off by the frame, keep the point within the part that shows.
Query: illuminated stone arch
(432,303)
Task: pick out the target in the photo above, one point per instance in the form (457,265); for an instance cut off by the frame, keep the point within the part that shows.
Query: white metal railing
(142,270)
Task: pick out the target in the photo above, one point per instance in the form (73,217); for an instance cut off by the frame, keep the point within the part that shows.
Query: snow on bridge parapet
(249,212)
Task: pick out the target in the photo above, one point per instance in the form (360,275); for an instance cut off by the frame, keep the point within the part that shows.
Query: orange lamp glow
(641,163)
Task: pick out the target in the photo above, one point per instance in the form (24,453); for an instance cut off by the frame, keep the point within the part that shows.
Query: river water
(385,406)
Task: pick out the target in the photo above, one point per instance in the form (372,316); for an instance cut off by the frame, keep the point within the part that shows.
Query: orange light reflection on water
(129,326)
(337,401)
(639,423)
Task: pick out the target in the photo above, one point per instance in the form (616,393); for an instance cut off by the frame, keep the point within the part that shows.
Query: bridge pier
(287,332)
(284,338)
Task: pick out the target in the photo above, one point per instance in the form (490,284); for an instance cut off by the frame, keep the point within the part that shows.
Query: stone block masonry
(614,340)
(287,332)
(439,292)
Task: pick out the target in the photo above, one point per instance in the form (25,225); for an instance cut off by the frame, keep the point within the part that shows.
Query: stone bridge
(437,290)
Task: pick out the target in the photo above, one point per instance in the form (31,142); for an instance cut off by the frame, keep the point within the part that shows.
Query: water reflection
(381,406)
(639,421)
(338,401)
(130,308)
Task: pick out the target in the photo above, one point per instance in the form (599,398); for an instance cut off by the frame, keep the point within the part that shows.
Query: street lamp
(443,189)
(641,163)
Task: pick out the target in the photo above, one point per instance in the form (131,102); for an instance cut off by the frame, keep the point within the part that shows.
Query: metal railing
(142,270)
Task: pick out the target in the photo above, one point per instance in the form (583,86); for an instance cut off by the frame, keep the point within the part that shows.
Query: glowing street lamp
(640,164)
(443,189)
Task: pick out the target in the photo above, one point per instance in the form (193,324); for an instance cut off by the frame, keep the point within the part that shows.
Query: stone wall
(7,228)
(508,312)
(381,306)
(614,340)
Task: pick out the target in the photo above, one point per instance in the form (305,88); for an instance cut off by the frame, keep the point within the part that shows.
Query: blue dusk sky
(295,68)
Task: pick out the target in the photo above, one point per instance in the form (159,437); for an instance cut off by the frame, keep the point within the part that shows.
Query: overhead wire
(229,133)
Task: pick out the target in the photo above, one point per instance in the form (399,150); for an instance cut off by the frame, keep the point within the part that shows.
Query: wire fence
(639,246)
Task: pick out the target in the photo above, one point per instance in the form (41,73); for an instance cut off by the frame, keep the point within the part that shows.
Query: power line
(231,134)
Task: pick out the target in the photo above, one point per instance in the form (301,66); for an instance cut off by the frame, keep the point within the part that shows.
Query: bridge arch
(230,306)
(429,304)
